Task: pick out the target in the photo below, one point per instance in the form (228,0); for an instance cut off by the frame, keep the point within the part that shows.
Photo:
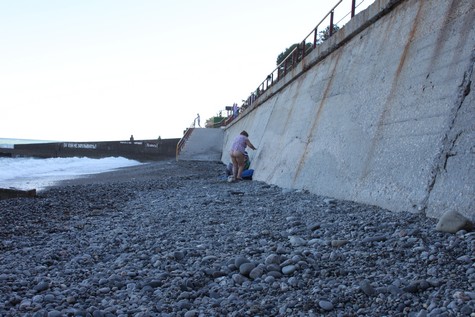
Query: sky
(99,70)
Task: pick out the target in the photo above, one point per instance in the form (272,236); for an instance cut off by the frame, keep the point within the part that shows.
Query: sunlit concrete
(382,113)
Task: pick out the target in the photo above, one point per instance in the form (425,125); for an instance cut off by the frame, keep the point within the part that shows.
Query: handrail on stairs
(182,141)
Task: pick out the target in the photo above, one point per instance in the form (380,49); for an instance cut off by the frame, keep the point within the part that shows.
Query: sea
(39,173)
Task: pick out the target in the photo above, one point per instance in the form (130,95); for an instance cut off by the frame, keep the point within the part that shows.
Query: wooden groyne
(6,193)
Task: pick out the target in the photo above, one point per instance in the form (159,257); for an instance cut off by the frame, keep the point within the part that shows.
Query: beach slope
(176,239)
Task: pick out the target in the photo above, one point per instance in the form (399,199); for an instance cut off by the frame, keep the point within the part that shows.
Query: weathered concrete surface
(453,185)
(203,145)
(385,118)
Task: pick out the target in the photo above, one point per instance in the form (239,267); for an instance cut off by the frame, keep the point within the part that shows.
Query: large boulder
(452,221)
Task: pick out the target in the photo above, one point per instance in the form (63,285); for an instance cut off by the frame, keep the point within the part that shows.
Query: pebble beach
(176,239)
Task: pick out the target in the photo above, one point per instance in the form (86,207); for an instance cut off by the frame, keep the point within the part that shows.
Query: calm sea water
(34,173)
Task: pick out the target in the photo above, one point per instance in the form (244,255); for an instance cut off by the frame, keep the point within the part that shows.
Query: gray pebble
(240,260)
(246,268)
(325,305)
(256,273)
(367,288)
(289,269)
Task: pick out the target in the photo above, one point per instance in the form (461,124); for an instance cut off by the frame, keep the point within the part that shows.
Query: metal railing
(303,48)
(182,141)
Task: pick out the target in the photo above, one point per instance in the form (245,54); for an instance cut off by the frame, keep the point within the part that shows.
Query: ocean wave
(29,173)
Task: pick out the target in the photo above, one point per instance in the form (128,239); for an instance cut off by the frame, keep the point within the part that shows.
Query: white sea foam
(34,173)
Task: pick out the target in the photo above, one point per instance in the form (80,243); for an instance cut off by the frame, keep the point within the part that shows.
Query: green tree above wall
(325,34)
(282,56)
(322,36)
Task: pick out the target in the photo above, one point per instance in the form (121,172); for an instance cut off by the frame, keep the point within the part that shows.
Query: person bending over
(238,151)
(247,165)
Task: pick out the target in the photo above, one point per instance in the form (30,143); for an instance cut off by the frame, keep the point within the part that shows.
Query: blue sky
(94,70)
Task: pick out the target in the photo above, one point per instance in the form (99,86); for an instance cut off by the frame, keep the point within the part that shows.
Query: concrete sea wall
(141,150)
(202,145)
(381,113)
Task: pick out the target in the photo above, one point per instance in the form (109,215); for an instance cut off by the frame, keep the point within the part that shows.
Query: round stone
(289,269)
(325,305)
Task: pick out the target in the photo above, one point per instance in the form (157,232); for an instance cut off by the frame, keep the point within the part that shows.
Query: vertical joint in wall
(450,138)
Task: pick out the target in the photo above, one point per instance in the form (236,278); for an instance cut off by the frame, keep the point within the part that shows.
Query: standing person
(197,119)
(237,153)
(235,110)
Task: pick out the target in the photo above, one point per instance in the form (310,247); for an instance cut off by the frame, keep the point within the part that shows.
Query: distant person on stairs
(197,120)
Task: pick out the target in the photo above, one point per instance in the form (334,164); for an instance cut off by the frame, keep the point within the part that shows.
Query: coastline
(144,171)
(149,172)
(175,239)
(29,173)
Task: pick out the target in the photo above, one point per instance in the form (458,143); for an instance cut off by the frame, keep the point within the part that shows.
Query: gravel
(176,239)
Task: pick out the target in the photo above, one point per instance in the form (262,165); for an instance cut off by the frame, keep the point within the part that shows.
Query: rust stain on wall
(288,118)
(444,31)
(467,27)
(443,34)
(293,103)
(311,134)
(390,100)
(405,52)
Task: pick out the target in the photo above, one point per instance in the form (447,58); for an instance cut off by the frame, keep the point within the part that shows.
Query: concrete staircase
(202,144)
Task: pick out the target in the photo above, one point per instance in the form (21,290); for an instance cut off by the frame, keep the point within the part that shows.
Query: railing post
(294,57)
(331,23)
(303,49)
(353,5)
(315,33)
(285,66)
(269,80)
